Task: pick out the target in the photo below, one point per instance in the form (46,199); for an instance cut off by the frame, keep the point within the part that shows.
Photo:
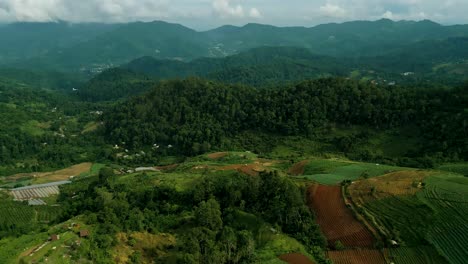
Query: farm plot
(448,196)
(335,219)
(47,177)
(403,219)
(416,255)
(37,191)
(434,214)
(332,172)
(357,256)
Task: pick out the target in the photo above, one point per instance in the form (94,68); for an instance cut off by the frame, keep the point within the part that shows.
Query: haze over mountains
(92,47)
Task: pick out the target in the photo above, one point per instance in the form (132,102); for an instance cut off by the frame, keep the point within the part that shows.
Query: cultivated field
(46,177)
(333,172)
(418,208)
(357,256)
(335,219)
(416,255)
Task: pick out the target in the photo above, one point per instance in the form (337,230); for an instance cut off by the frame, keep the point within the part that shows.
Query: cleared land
(358,256)
(335,219)
(46,177)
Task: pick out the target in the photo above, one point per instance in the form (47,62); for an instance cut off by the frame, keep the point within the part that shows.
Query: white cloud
(388,15)
(83,10)
(331,10)
(254,13)
(224,9)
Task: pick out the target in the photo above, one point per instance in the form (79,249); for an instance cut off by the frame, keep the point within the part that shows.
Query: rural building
(54,237)
(84,233)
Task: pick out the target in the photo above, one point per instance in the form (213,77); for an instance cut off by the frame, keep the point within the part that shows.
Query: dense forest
(196,115)
(205,217)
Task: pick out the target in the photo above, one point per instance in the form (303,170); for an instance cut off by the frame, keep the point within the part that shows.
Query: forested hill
(196,115)
(258,67)
(94,46)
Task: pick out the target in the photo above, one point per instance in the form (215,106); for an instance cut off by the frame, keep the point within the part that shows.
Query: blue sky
(205,14)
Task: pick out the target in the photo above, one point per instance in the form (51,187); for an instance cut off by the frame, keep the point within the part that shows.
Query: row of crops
(19,218)
(431,225)
(449,198)
(416,255)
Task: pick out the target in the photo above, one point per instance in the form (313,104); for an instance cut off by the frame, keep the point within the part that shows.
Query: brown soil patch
(298,168)
(335,219)
(358,256)
(396,183)
(60,175)
(295,258)
(217,155)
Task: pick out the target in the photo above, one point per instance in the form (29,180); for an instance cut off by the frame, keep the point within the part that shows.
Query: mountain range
(93,47)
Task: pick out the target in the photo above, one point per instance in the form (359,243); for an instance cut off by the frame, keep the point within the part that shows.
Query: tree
(208,214)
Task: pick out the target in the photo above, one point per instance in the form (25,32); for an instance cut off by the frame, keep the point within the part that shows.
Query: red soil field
(335,219)
(357,256)
(295,258)
(298,168)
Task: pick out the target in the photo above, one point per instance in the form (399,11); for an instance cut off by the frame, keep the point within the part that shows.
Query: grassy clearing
(13,247)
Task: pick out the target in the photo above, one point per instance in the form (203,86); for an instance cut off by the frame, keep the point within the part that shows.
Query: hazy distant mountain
(26,40)
(259,66)
(94,47)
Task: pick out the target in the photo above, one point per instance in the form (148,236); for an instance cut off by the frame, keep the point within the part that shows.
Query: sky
(207,14)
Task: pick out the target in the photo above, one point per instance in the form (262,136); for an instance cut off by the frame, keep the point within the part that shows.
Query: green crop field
(331,172)
(448,196)
(436,216)
(416,255)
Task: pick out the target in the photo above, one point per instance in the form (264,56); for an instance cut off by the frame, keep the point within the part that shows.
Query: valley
(151,142)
